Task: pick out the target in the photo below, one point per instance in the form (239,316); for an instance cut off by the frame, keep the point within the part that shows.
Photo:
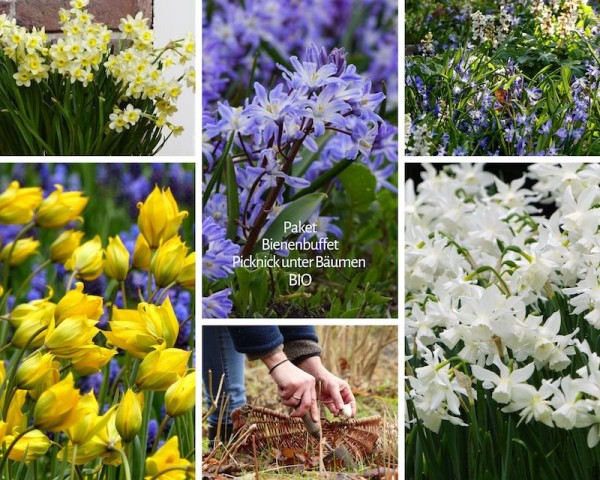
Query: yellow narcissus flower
(140,331)
(22,250)
(180,397)
(187,276)
(38,369)
(162,368)
(75,302)
(29,318)
(60,208)
(91,359)
(159,217)
(87,260)
(167,261)
(31,446)
(68,339)
(116,264)
(141,253)
(63,247)
(129,415)
(17,204)
(56,410)
(168,457)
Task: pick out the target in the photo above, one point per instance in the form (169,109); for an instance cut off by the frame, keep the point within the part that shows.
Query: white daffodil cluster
(503,296)
(84,49)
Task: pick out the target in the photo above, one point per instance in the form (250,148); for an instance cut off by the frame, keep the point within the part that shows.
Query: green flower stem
(162,426)
(30,277)
(165,292)
(502,284)
(71,280)
(148,397)
(6,269)
(73,461)
(123,294)
(125,462)
(12,445)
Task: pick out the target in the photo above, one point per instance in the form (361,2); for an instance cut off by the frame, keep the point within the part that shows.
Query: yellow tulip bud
(17,204)
(159,217)
(75,302)
(30,446)
(23,249)
(63,247)
(187,276)
(140,331)
(161,369)
(100,443)
(141,253)
(60,208)
(91,359)
(129,415)
(180,397)
(87,260)
(15,418)
(2,372)
(87,418)
(56,410)
(166,458)
(116,264)
(35,369)
(29,318)
(167,261)
(69,338)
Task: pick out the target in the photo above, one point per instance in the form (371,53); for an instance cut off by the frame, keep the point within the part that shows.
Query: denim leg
(220,357)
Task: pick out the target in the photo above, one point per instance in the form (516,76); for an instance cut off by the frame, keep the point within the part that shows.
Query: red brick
(37,13)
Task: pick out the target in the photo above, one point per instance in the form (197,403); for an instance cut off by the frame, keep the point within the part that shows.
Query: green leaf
(297,211)
(359,184)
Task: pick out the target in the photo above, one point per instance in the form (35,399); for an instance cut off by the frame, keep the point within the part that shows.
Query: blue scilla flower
(217,305)
(152,432)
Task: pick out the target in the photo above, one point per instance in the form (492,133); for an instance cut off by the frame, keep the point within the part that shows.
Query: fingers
(305,405)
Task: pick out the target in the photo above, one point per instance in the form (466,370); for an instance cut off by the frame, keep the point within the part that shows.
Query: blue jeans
(220,357)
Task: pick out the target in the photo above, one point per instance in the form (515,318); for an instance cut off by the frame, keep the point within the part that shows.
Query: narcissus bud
(180,397)
(63,247)
(116,264)
(129,415)
(60,208)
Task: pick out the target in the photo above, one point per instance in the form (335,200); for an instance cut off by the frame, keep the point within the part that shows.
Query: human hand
(296,388)
(334,392)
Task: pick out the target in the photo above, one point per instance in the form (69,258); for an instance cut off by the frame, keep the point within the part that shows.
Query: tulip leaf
(299,210)
(359,184)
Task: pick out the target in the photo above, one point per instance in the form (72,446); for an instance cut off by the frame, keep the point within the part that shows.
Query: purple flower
(217,305)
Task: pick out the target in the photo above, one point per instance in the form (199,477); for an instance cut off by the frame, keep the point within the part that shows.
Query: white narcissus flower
(505,382)
(531,404)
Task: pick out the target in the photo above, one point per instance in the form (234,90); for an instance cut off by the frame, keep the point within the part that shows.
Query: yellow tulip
(159,217)
(63,247)
(162,368)
(116,264)
(60,208)
(187,276)
(168,457)
(141,253)
(140,331)
(22,250)
(56,409)
(100,443)
(15,418)
(89,423)
(30,446)
(167,261)
(29,318)
(91,358)
(129,415)
(17,204)
(87,260)
(180,397)
(38,369)
(75,302)
(68,339)
(2,372)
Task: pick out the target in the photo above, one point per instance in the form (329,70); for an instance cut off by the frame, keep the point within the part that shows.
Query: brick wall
(30,13)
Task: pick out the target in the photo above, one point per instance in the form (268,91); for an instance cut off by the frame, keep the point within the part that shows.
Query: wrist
(312,365)
(272,360)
